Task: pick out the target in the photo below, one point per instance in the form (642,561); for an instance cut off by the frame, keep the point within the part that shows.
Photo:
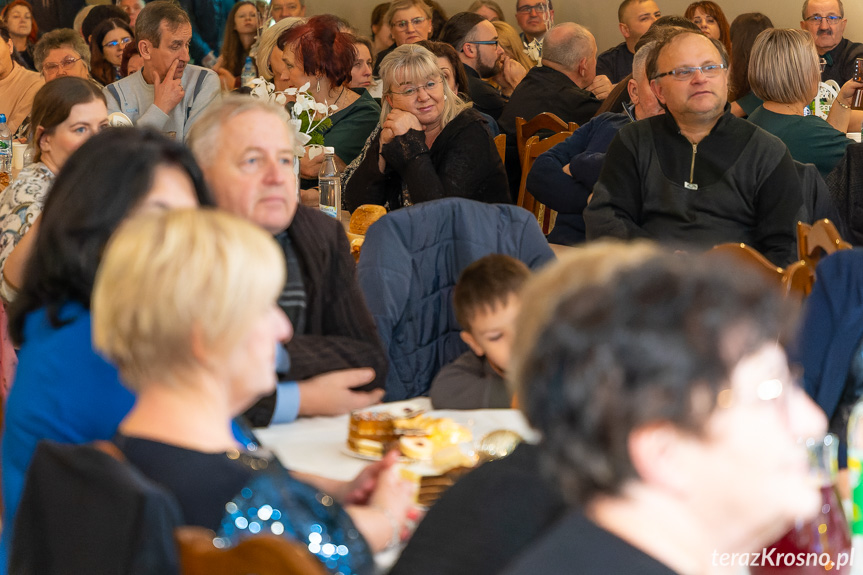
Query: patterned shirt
(20,205)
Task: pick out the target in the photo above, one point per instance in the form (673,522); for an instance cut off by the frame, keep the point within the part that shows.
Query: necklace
(336,101)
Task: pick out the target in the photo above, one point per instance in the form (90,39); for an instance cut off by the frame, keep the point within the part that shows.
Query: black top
(542,90)
(840,61)
(615,63)
(202,507)
(484,520)
(578,545)
(380,57)
(485,98)
(339,332)
(739,185)
(545,89)
(462,162)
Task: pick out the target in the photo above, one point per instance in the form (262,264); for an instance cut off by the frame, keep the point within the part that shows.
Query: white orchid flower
(320,108)
(315,151)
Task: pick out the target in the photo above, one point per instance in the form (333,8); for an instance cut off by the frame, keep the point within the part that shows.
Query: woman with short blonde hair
(185,304)
(784,72)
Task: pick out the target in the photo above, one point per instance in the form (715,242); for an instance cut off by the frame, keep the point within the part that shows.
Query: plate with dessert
(405,426)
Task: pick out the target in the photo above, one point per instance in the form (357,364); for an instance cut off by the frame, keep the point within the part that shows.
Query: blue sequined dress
(240,493)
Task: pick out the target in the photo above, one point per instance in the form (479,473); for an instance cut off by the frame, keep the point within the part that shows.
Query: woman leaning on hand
(429,144)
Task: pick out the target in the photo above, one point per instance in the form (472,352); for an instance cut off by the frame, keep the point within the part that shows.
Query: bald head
(567,44)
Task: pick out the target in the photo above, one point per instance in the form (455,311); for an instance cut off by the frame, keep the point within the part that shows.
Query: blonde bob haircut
(784,66)
(412,64)
(177,289)
(263,49)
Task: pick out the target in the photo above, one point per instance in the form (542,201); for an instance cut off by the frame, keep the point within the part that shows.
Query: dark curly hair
(656,343)
(99,186)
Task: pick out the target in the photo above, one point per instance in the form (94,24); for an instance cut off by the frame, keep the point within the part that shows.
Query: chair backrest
(818,240)
(533,148)
(524,129)
(798,279)
(749,257)
(410,262)
(261,554)
(85,510)
(500,144)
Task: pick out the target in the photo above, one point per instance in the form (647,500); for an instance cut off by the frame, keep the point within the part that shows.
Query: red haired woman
(18,16)
(708,16)
(317,53)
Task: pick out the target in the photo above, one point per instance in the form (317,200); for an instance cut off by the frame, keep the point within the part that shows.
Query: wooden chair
(533,148)
(500,143)
(818,240)
(262,554)
(524,129)
(748,256)
(797,279)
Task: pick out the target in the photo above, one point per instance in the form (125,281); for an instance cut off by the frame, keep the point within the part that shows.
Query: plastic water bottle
(330,185)
(855,467)
(5,147)
(248,73)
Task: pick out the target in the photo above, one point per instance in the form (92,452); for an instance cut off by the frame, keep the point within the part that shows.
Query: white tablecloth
(317,444)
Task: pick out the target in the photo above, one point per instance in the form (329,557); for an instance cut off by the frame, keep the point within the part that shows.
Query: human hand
(399,122)
(394,496)
(846,92)
(360,489)
(601,87)
(310,167)
(227,79)
(513,72)
(331,393)
(311,197)
(169,92)
(209,60)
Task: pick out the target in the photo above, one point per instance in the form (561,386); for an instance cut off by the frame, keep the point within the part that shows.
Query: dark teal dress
(810,139)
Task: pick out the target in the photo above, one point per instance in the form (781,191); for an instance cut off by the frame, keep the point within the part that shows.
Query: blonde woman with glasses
(429,144)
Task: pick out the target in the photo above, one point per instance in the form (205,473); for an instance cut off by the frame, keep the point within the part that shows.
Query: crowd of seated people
(170,281)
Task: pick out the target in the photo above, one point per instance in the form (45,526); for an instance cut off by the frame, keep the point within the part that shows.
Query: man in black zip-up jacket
(696,176)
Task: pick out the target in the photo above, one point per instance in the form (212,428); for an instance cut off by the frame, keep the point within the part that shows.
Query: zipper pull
(690,185)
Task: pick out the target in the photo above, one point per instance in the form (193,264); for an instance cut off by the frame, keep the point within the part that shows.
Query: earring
(444,97)
(318,87)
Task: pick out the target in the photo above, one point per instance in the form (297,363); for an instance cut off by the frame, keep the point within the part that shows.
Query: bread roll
(364,216)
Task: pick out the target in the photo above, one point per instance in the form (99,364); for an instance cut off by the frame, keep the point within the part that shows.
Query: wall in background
(601,17)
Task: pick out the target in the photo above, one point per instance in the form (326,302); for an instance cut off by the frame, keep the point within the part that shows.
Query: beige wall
(600,16)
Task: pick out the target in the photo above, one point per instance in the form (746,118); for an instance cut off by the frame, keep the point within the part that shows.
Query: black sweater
(462,162)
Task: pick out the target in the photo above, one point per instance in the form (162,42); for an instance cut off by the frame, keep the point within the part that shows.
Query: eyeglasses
(538,8)
(484,42)
(403,24)
(411,91)
(114,43)
(64,64)
(832,20)
(687,72)
(778,393)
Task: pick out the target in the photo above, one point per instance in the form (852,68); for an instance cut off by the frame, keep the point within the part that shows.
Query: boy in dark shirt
(486,301)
